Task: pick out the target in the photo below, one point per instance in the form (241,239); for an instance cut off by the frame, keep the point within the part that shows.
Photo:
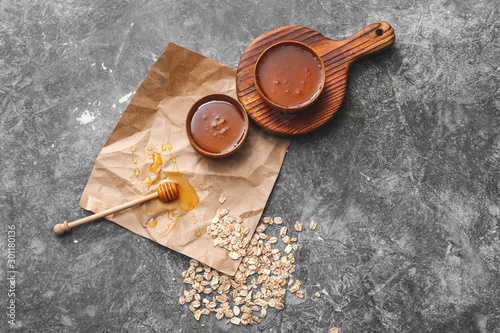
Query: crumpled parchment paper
(154,122)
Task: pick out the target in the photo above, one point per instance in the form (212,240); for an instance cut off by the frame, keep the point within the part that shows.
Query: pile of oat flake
(261,280)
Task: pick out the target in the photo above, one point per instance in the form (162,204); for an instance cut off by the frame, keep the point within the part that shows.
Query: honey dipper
(166,192)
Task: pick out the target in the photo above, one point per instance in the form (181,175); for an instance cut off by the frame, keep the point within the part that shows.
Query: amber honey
(156,163)
(188,199)
(217,126)
(163,216)
(289,75)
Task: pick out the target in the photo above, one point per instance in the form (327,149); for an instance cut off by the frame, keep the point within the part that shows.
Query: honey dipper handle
(62,228)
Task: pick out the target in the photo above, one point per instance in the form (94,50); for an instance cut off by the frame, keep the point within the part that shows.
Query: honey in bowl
(217,125)
(289,76)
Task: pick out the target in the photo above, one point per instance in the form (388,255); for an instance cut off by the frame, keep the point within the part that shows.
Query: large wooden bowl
(337,56)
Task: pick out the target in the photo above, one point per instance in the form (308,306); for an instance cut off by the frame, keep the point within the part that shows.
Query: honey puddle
(188,199)
(165,214)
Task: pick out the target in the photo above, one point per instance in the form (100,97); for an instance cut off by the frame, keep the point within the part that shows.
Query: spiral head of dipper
(168,191)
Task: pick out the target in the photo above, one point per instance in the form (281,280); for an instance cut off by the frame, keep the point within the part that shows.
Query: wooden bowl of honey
(217,125)
(289,76)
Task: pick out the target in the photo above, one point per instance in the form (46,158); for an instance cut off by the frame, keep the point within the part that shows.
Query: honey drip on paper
(156,163)
(205,183)
(171,156)
(147,181)
(195,222)
(173,222)
(132,149)
(188,199)
(152,223)
(156,209)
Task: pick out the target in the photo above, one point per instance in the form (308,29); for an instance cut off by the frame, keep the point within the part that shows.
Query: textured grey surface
(404,181)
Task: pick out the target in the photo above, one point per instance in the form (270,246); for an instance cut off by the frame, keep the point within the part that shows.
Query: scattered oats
(333,330)
(298,226)
(295,247)
(313,225)
(229,313)
(219,315)
(272,303)
(236,310)
(197,314)
(222,198)
(221,212)
(234,255)
(286,239)
(226,232)
(296,286)
(261,302)
(317,294)
(261,280)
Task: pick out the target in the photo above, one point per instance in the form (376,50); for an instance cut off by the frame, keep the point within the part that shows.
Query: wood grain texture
(337,56)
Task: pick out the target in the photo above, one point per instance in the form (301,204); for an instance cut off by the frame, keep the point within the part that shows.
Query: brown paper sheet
(153,122)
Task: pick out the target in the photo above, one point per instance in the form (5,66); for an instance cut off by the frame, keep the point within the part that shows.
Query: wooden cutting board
(337,56)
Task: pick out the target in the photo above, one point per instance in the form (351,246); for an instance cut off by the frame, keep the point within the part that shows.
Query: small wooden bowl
(297,68)
(197,105)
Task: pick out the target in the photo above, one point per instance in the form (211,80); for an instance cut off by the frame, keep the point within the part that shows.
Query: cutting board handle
(372,39)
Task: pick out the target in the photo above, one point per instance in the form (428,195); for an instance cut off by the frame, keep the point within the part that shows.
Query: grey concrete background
(403,182)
